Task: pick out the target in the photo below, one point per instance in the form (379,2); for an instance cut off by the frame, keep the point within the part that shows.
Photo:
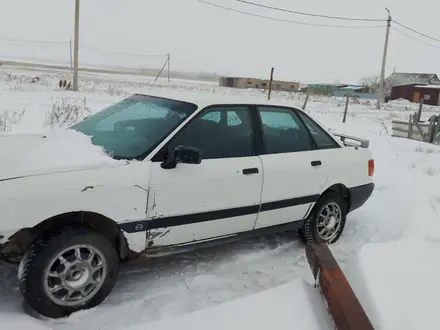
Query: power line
(33,41)
(118,53)
(415,31)
(289,21)
(413,38)
(313,15)
(82,46)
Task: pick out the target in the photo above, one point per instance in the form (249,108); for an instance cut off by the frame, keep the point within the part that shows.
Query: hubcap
(75,275)
(329,221)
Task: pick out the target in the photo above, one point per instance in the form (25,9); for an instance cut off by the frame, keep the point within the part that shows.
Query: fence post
(410,124)
(71,58)
(270,83)
(169,66)
(307,99)
(431,129)
(436,129)
(346,107)
(419,114)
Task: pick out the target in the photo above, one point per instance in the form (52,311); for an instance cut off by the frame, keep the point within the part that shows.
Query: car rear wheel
(68,270)
(326,222)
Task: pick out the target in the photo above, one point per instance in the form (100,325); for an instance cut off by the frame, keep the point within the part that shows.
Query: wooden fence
(414,129)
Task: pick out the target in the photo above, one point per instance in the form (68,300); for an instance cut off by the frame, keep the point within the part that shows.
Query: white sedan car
(184,172)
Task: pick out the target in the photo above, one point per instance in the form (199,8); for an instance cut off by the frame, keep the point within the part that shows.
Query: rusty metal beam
(342,304)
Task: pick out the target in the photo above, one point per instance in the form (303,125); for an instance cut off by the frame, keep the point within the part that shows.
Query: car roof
(203,100)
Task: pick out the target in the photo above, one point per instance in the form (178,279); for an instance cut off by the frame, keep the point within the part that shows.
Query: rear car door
(218,197)
(293,171)
(347,166)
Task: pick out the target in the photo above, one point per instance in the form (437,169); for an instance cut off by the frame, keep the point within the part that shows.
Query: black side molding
(140,225)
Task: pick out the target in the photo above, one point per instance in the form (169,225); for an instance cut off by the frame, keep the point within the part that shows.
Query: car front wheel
(326,222)
(68,270)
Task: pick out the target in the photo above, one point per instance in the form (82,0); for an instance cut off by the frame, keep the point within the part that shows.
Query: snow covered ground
(405,206)
(396,282)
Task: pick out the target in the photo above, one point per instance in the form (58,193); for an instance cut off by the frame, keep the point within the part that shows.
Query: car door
(293,172)
(218,197)
(340,164)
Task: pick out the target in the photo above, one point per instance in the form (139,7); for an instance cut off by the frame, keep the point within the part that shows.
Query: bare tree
(371,82)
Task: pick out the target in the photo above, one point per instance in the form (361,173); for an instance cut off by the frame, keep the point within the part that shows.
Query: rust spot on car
(90,187)
(148,196)
(154,201)
(87,188)
(140,187)
(164,233)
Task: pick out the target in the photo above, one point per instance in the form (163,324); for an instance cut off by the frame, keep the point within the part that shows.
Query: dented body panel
(195,198)
(118,193)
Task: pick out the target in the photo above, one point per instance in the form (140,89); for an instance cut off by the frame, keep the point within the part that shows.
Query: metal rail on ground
(342,304)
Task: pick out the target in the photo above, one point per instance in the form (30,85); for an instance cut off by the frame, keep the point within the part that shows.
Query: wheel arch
(342,190)
(20,241)
(337,188)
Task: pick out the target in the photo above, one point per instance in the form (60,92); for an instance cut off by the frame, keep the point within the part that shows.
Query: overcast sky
(203,38)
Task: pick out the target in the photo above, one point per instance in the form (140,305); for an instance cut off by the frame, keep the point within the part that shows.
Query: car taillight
(371,167)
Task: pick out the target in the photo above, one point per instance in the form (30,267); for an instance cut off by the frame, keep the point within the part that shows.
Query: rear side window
(322,139)
(283,132)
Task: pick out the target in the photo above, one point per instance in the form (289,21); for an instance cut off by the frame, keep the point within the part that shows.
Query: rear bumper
(359,195)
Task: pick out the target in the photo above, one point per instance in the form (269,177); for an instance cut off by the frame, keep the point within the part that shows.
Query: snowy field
(405,207)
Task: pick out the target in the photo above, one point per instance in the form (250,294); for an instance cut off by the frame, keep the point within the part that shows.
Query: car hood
(28,155)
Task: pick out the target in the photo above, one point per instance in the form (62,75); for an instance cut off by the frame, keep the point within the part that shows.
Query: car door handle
(252,170)
(316,163)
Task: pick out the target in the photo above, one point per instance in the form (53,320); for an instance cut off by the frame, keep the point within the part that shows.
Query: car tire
(68,270)
(331,208)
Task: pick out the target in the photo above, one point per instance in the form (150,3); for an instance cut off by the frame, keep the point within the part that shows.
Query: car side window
(283,132)
(220,132)
(322,139)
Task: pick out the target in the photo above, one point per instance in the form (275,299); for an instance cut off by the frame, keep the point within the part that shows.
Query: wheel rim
(75,275)
(329,221)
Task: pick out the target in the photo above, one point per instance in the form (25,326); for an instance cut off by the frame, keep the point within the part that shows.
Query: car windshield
(133,127)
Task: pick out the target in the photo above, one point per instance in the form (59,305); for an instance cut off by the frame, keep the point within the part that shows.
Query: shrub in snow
(114,90)
(23,83)
(23,79)
(8,118)
(66,112)
(427,150)
(63,84)
(431,171)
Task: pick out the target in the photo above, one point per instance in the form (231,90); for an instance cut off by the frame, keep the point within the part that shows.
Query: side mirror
(188,155)
(184,155)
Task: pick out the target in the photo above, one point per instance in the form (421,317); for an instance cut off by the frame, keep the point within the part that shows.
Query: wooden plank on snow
(343,306)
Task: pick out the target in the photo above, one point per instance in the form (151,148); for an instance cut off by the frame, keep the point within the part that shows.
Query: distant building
(414,93)
(324,89)
(241,82)
(359,91)
(402,78)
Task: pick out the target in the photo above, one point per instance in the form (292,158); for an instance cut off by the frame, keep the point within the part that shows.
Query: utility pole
(384,60)
(76,47)
(270,83)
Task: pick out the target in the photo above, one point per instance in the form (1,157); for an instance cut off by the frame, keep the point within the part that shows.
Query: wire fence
(59,55)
